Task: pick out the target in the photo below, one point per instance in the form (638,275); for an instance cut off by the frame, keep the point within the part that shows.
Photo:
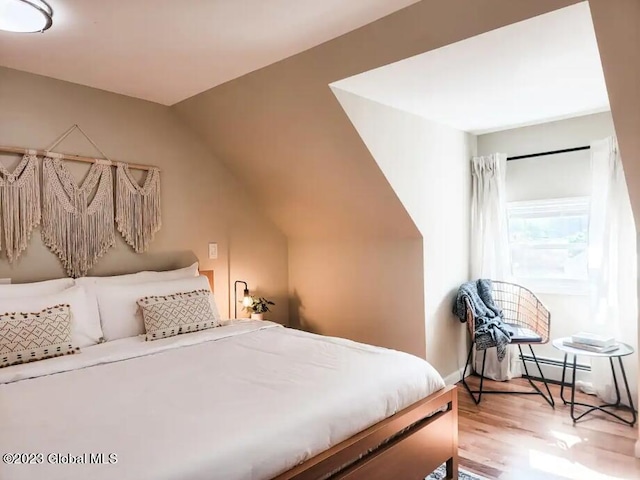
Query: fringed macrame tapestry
(76,229)
(137,207)
(19,205)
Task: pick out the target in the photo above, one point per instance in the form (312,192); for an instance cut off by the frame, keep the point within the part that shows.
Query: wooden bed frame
(209,275)
(408,445)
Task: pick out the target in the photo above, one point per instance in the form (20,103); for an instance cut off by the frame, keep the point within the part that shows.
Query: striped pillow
(27,337)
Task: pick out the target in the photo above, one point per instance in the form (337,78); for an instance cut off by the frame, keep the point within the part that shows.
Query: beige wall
(552,176)
(350,288)
(617,26)
(284,134)
(556,135)
(202,201)
(428,166)
(618,35)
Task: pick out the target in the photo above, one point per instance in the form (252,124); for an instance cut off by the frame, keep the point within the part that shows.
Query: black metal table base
(603,407)
(479,393)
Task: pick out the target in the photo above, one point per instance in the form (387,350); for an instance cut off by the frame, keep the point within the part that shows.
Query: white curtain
(612,267)
(490,247)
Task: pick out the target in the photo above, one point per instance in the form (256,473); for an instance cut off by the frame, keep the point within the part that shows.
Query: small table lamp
(246,300)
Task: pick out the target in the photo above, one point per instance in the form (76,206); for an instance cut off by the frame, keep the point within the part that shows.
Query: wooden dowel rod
(67,156)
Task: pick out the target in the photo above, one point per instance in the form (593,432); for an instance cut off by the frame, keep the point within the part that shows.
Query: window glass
(549,242)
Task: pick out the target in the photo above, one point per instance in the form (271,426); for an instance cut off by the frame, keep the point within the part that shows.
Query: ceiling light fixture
(26,16)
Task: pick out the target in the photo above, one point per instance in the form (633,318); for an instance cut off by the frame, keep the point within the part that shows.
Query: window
(548,240)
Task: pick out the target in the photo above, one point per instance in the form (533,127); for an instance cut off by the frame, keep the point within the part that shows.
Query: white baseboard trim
(554,372)
(550,371)
(456,376)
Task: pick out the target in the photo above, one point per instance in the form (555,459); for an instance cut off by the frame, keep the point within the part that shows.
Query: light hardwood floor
(521,437)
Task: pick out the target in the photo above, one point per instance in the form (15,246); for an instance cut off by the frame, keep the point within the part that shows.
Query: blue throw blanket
(490,330)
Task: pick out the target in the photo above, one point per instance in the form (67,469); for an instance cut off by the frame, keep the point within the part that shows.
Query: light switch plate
(213,251)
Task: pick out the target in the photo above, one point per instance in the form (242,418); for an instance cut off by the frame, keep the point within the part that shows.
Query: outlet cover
(213,251)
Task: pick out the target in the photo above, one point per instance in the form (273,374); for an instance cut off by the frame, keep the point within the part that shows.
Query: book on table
(591,348)
(593,339)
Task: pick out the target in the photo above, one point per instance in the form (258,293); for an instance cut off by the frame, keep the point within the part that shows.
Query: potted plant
(258,307)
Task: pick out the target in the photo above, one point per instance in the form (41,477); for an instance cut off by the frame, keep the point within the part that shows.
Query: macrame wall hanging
(77,224)
(138,213)
(19,205)
(78,230)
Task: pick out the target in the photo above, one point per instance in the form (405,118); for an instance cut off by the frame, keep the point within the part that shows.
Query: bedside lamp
(246,300)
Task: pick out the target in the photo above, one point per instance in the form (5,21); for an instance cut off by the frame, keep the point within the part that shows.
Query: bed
(246,400)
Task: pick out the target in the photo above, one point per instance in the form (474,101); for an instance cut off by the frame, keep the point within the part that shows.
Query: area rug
(441,473)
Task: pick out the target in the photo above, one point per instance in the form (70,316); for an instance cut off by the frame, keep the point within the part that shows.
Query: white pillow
(85,324)
(119,312)
(186,272)
(90,283)
(141,277)
(36,288)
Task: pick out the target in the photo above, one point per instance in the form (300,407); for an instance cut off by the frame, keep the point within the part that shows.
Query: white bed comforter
(244,401)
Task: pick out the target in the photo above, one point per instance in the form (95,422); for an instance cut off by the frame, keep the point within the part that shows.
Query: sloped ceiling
(284,133)
(618,35)
(539,70)
(168,50)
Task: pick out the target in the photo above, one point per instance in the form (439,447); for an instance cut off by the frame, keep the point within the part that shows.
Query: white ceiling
(542,69)
(169,50)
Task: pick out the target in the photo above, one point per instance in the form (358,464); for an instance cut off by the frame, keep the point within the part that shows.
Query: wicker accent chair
(530,322)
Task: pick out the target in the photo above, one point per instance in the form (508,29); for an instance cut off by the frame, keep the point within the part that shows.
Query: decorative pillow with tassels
(27,337)
(169,315)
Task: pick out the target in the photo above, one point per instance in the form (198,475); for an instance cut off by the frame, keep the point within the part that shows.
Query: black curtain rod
(553,152)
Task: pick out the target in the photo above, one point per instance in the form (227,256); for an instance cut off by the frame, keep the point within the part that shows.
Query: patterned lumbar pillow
(169,315)
(27,337)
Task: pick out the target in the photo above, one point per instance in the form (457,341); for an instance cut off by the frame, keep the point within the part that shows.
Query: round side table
(622,351)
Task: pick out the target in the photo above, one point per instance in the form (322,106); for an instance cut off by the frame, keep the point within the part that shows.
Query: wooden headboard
(209,275)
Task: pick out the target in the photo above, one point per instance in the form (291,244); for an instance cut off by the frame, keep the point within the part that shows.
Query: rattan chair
(531,323)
